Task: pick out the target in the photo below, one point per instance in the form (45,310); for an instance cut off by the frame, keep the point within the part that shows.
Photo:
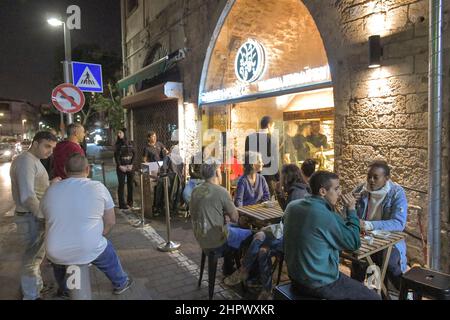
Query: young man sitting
(313,236)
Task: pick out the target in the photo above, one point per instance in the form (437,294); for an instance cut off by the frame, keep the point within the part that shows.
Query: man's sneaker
(46,288)
(124,288)
(63,295)
(235,278)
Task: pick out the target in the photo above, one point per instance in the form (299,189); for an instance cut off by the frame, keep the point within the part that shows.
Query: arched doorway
(268,58)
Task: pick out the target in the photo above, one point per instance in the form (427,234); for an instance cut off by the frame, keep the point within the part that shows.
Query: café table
(369,248)
(261,215)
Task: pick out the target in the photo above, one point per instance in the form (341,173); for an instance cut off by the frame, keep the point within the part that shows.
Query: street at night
(231,150)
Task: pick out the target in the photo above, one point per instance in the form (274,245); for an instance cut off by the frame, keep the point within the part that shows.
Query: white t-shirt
(73,210)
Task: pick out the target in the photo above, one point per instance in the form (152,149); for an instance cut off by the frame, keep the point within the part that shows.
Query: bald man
(80,208)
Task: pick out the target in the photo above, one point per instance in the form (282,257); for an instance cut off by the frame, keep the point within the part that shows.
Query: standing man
(154,150)
(265,143)
(29,181)
(75,135)
(76,230)
(316,138)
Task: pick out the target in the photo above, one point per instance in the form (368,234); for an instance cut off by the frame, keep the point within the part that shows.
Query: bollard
(79,282)
(103,172)
(169,245)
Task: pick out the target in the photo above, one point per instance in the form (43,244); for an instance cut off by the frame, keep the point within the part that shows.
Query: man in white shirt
(29,181)
(79,213)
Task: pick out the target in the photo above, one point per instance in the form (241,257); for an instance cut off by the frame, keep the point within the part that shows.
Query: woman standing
(124,157)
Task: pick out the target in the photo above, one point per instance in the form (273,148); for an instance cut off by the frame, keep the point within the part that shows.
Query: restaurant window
(309,135)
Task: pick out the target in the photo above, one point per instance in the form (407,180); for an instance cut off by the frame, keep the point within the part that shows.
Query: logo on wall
(250,61)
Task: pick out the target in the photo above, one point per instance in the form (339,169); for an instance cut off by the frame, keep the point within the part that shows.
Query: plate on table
(381,234)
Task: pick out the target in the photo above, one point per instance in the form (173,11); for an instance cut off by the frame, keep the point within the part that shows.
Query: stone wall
(380,113)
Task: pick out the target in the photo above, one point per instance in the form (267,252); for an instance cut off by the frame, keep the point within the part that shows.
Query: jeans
(108,262)
(263,256)
(32,231)
(344,288)
(129,180)
(393,271)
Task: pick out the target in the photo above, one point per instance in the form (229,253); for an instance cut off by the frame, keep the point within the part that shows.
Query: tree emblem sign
(250,61)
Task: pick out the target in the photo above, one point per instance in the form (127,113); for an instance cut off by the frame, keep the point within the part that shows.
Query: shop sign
(250,61)
(306,77)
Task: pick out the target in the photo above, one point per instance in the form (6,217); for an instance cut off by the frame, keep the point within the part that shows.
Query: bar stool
(425,282)
(213,259)
(286,292)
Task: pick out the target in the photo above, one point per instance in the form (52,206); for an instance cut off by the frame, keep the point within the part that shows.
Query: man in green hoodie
(313,236)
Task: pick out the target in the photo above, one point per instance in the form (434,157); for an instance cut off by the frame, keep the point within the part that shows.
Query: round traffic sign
(67,98)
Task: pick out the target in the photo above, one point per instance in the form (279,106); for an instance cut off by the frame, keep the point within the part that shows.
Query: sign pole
(66,63)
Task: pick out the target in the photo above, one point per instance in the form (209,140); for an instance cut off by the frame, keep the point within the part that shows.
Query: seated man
(211,208)
(382,205)
(79,213)
(313,236)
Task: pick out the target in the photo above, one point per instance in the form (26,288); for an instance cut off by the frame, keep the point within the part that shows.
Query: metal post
(169,245)
(142,219)
(67,63)
(103,172)
(434,133)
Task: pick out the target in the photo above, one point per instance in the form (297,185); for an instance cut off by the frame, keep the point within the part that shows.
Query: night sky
(28,43)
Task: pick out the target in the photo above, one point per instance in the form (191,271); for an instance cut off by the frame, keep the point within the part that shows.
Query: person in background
(195,177)
(382,205)
(154,150)
(314,234)
(64,149)
(266,143)
(29,181)
(124,156)
(301,141)
(290,151)
(291,185)
(316,138)
(252,187)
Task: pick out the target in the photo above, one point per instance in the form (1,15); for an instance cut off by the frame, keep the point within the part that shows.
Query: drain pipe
(434,133)
(123,19)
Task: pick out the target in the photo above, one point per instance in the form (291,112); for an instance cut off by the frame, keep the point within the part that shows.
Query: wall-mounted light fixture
(375,51)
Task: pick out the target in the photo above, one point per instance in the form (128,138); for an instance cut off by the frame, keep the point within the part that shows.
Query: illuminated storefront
(275,67)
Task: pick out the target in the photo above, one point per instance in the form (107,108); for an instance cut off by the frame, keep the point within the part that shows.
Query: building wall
(12,119)
(380,113)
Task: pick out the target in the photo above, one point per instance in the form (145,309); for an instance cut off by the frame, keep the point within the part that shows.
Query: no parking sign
(67,98)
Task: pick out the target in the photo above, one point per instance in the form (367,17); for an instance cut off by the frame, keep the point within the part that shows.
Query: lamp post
(54,22)
(23,128)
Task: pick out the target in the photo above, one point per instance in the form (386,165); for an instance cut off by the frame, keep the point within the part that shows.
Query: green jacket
(313,236)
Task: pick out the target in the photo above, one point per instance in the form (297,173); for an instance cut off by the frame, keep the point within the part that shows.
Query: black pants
(393,272)
(121,176)
(344,288)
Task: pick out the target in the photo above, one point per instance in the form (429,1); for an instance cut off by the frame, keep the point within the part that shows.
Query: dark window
(131,6)
(4,107)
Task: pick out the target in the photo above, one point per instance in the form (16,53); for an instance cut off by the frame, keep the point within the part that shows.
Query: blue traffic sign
(87,76)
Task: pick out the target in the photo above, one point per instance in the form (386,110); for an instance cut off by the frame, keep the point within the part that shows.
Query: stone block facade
(380,113)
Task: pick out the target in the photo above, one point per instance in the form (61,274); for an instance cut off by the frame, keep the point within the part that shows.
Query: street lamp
(23,128)
(54,22)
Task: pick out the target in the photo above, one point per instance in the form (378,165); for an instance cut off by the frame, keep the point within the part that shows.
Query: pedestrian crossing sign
(87,76)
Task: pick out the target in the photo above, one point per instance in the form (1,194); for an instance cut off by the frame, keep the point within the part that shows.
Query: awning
(161,92)
(153,70)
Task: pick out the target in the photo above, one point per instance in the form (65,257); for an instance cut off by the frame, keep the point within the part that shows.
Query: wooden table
(260,216)
(366,250)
